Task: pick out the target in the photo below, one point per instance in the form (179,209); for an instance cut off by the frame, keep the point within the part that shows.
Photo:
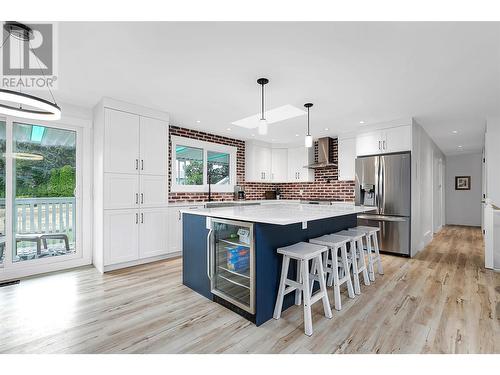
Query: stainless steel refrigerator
(384,183)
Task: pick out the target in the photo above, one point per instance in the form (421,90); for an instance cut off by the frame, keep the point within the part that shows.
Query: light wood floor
(443,301)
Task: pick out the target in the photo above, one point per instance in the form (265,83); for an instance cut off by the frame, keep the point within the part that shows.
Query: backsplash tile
(325,186)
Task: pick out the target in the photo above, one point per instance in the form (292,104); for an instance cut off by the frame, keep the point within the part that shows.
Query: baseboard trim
(138,262)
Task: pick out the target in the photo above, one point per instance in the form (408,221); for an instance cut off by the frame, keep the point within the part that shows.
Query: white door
(153,146)
(121,235)
(121,190)
(369,143)
(346,158)
(153,232)
(121,142)
(153,191)
(397,139)
(279,164)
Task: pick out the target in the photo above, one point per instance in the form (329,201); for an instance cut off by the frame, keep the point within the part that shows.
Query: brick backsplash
(325,186)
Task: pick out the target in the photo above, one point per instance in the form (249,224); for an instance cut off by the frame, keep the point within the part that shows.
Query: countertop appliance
(239,192)
(384,183)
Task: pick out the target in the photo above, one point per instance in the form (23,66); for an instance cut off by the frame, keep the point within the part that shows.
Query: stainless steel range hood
(325,145)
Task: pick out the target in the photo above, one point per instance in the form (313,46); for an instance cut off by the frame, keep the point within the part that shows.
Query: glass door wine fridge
(230,263)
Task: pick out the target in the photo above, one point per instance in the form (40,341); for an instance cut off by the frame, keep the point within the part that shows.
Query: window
(196,163)
(189,163)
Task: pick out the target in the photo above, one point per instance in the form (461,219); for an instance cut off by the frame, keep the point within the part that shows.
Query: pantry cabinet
(130,185)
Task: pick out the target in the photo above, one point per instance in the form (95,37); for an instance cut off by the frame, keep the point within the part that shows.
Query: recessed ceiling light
(253,135)
(198,121)
(229,129)
(296,135)
(455,131)
(272,140)
(361,122)
(460,146)
(327,129)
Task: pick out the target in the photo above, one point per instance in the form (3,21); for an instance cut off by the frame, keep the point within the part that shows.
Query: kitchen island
(229,253)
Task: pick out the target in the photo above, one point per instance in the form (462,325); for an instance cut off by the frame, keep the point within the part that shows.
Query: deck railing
(43,215)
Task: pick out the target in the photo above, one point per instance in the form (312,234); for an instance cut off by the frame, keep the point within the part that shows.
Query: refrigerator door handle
(209,254)
(381,188)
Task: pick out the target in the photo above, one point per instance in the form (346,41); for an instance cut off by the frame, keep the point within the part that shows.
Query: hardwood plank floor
(442,301)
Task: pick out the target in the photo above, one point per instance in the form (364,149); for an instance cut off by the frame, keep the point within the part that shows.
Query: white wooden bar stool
(357,256)
(302,252)
(331,266)
(372,249)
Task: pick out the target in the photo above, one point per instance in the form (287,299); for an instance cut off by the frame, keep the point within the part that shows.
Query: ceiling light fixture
(40,109)
(262,128)
(308,140)
(361,122)
(198,121)
(455,131)
(327,129)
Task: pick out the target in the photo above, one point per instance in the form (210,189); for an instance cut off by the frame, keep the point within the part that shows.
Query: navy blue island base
(268,237)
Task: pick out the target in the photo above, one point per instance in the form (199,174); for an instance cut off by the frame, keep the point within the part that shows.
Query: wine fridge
(231,262)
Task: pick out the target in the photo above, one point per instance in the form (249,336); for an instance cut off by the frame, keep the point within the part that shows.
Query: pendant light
(308,140)
(40,109)
(262,128)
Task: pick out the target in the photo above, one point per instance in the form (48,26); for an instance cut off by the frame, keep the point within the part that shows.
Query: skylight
(278,114)
(37,133)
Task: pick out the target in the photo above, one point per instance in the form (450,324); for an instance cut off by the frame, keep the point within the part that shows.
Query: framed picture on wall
(462,182)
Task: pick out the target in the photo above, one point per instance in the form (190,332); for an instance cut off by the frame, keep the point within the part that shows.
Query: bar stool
(372,249)
(302,252)
(357,258)
(331,266)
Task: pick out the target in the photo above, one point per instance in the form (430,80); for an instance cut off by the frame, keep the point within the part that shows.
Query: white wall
(425,207)
(492,150)
(463,207)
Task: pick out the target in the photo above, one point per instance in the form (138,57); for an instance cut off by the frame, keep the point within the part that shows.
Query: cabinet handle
(142,218)
(379,145)
(142,198)
(383,143)
(136,218)
(136,164)
(136,198)
(142,164)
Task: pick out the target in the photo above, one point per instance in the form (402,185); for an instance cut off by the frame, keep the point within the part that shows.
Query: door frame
(83,245)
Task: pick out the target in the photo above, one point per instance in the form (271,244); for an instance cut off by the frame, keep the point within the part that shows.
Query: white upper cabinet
(279,165)
(121,146)
(257,162)
(397,139)
(384,141)
(346,158)
(298,159)
(153,146)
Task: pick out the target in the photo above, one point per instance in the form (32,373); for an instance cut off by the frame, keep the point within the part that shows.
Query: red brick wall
(325,186)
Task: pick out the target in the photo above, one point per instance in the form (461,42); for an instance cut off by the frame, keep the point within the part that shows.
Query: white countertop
(261,201)
(280,213)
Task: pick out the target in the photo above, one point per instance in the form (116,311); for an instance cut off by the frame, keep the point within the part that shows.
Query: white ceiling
(445,75)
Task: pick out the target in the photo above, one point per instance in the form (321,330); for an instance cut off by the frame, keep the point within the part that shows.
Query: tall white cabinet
(130,185)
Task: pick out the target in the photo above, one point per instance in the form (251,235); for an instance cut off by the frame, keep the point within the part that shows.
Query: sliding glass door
(2,191)
(44,182)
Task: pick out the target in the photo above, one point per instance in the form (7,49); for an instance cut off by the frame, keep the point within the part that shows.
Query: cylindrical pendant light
(308,140)
(262,128)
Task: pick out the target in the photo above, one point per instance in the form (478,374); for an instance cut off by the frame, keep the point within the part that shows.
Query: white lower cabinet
(153,232)
(121,236)
(175,227)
